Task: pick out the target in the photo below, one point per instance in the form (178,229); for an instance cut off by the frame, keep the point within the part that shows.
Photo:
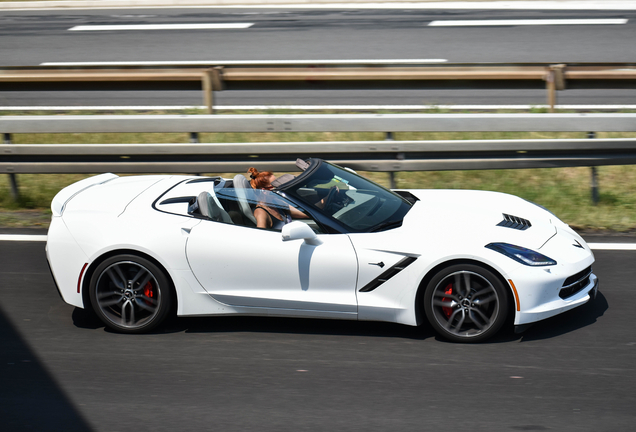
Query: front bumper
(556,305)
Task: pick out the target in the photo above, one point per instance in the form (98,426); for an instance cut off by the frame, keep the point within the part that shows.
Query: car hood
(480,216)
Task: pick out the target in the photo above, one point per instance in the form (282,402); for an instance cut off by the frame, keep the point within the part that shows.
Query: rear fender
(65,195)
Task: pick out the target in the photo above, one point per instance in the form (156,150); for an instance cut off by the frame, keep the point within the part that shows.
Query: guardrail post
(550,87)
(13,181)
(554,81)
(594,184)
(211,81)
(392,183)
(194,139)
(594,176)
(208,93)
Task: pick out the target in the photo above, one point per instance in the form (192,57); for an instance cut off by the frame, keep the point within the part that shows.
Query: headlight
(524,256)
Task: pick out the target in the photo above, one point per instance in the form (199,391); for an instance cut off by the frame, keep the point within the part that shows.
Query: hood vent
(514,222)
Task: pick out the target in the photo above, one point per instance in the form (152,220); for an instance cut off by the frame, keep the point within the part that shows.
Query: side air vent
(514,222)
(388,274)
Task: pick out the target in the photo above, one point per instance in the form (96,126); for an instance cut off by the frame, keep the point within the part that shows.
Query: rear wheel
(466,303)
(130,294)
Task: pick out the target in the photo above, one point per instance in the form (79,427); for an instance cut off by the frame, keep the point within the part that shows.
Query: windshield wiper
(387,225)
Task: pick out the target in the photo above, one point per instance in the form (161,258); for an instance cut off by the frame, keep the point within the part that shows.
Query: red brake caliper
(149,292)
(448,311)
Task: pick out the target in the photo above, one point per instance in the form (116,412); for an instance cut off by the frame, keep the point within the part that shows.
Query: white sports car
(135,249)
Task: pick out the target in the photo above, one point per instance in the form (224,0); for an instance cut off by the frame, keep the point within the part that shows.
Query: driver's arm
(297,214)
(332,192)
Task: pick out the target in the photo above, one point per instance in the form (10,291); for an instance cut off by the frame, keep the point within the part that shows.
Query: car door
(252,267)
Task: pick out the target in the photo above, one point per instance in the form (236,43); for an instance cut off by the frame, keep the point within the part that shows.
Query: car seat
(210,208)
(240,186)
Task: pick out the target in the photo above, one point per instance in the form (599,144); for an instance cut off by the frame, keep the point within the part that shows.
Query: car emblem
(380,264)
(578,245)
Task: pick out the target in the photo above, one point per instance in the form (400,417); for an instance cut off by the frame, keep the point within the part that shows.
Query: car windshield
(355,202)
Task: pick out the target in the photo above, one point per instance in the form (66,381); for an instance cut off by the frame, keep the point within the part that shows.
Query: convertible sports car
(135,249)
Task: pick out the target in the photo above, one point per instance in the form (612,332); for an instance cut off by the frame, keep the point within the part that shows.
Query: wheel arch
(420,315)
(90,270)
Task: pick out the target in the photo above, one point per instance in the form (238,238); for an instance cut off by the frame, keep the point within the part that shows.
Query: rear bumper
(66,260)
(48,262)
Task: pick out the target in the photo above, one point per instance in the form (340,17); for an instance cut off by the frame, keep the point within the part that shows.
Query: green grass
(565,191)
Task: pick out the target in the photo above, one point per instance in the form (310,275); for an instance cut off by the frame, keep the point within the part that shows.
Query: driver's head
(261,180)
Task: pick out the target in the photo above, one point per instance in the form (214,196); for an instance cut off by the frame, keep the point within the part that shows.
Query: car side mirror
(300,231)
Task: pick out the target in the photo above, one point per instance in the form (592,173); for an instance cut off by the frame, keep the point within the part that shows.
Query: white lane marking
(613,246)
(22,238)
(593,246)
(526,22)
(315,107)
(245,62)
(124,27)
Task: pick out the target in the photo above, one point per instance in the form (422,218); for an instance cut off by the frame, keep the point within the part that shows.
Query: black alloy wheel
(466,303)
(130,294)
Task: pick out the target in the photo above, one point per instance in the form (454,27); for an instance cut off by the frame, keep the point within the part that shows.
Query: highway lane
(34,37)
(31,37)
(60,370)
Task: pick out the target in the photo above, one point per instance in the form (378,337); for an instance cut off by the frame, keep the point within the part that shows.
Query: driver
(268,215)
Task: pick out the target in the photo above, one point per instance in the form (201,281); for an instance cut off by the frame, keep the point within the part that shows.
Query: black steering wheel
(330,199)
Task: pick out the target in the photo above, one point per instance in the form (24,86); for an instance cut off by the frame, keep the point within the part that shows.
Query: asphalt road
(34,37)
(60,370)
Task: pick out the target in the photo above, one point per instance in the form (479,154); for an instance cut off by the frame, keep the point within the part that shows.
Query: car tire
(130,294)
(466,303)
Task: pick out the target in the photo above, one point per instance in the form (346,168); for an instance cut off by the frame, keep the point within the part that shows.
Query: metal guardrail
(598,122)
(330,75)
(372,156)
(384,156)
(388,155)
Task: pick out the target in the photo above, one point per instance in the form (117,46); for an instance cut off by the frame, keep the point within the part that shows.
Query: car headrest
(240,182)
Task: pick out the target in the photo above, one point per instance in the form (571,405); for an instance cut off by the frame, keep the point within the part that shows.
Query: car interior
(233,202)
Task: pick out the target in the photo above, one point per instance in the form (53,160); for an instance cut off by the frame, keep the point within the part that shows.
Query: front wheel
(130,294)
(466,303)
